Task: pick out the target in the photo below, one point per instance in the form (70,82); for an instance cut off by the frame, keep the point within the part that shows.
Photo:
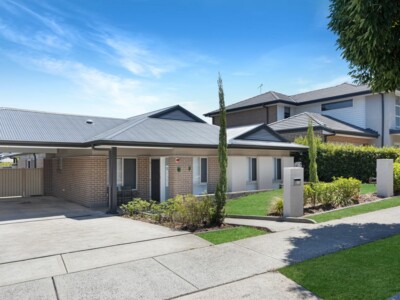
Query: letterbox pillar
(293,192)
(384,177)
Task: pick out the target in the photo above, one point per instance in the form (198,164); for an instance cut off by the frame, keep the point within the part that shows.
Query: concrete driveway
(44,236)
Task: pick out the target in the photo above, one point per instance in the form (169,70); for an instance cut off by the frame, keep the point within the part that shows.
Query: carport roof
(173,126)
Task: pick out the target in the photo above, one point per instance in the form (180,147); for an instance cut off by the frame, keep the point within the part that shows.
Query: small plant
(135,207)
(276,207)
(396,179)
(347,190)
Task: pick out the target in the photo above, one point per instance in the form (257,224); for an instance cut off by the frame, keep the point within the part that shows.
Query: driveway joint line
(65,266)
(263,254)
(192,284)
(55,288)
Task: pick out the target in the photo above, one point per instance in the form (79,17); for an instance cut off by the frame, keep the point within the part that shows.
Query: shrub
(340,192)
(276,207)
(345,160)
(190,212)
(135,207)
(396,179)
(347,189)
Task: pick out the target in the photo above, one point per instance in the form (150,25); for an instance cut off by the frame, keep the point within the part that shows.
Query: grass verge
(355,210)
(231,234)
(255,205)
(371,271)
(367,188)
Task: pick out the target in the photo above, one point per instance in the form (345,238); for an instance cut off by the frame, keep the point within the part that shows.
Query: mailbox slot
(297,181)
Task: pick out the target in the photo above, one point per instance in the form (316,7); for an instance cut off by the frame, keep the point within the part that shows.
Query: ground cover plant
(231,234)
(370,271)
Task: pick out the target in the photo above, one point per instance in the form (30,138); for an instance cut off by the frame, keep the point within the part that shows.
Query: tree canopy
(369,37)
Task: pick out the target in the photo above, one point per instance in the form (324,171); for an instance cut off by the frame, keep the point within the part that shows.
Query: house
(156,155)
(345,113)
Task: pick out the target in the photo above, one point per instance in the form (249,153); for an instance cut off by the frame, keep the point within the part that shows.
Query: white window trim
(250,170)
(397,105)
(122,167)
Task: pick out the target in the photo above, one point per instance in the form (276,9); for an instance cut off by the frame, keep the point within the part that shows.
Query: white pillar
(293,192)
(384,177)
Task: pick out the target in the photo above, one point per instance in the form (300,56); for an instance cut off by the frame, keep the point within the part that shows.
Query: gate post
(293,192)
(384,177)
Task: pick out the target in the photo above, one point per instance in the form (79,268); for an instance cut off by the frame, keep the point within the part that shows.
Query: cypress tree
(221,189)
(312,153)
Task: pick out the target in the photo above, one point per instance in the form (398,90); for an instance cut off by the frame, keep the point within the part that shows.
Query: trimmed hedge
(336,160)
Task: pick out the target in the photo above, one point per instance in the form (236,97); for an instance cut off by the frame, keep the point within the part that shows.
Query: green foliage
(231,234)
(136,207)
(276,207)
(338,160)
(312,153)
(368,35)
(221,189)
(396,178)
(190,212)
(340,192)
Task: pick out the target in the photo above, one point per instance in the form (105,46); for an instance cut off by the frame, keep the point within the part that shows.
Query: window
(278,169)
(337,105)
(126,172)
(287,112)
(203,170)
(397,112)
(252,169)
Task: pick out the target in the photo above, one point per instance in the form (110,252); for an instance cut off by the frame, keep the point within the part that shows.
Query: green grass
(231,234)
(371,271)
(255,204)
(356,210)
(368,188)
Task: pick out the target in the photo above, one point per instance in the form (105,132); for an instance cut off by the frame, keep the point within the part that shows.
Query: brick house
(156,155)
(345,113)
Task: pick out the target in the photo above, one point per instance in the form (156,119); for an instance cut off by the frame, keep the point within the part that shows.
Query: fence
(21,182)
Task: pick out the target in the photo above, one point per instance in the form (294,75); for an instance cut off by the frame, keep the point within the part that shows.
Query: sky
(120,58)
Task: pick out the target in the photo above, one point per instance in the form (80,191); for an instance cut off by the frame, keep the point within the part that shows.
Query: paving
(118,258)
(273,226)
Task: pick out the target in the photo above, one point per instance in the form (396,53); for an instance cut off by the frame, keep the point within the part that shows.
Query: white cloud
(320,85)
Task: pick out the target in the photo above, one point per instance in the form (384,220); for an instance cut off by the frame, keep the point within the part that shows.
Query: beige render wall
(81,179)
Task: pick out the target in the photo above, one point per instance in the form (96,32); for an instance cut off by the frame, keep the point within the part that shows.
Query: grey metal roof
(172,126)
(271,97)
(300,121)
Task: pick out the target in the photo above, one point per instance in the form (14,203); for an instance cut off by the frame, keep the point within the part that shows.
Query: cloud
(320,85)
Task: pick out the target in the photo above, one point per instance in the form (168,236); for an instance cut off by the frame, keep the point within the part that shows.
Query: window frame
(325,106)
(276,168)
(285,112)
(122,171)
(201,169)
(250,168)
(397,116)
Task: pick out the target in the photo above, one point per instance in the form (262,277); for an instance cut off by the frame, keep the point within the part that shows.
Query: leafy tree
(369,37)
(221,189)
(312,153)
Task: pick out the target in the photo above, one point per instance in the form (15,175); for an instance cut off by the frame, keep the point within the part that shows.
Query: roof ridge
(111,135)
(310,114)
(291,117)
(273,94)
(328,87)
(56,113)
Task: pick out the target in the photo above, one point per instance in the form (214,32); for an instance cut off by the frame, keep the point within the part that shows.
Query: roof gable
(177,113)
(261,133)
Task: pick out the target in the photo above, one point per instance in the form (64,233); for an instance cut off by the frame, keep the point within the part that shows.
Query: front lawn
(231,234)
(368,188)
(253,205)
(371,271)
(355,210)
(258,204)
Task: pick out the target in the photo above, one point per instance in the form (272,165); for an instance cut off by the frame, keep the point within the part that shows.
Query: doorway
(155,180)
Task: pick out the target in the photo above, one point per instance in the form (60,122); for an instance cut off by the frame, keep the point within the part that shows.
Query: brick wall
(348,140)
(81,179)
(180,183)
(143,180)
(249,117)
(213,174)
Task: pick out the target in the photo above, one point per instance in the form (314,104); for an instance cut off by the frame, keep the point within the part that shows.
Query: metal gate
(21,182)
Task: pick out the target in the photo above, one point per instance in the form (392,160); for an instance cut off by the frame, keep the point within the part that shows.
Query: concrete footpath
(241,269)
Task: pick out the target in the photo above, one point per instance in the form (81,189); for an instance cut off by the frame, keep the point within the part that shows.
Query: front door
(155,179)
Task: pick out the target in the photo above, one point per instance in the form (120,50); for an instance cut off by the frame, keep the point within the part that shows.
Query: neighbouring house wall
(180,181)
(81,179)
(291,136)
(349,140)
(249,117)
(354,115)
(28,161)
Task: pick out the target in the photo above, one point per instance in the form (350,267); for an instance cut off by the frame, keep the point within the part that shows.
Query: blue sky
(120,58)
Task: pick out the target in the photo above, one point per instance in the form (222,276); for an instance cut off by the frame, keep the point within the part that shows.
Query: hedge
(345,160)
